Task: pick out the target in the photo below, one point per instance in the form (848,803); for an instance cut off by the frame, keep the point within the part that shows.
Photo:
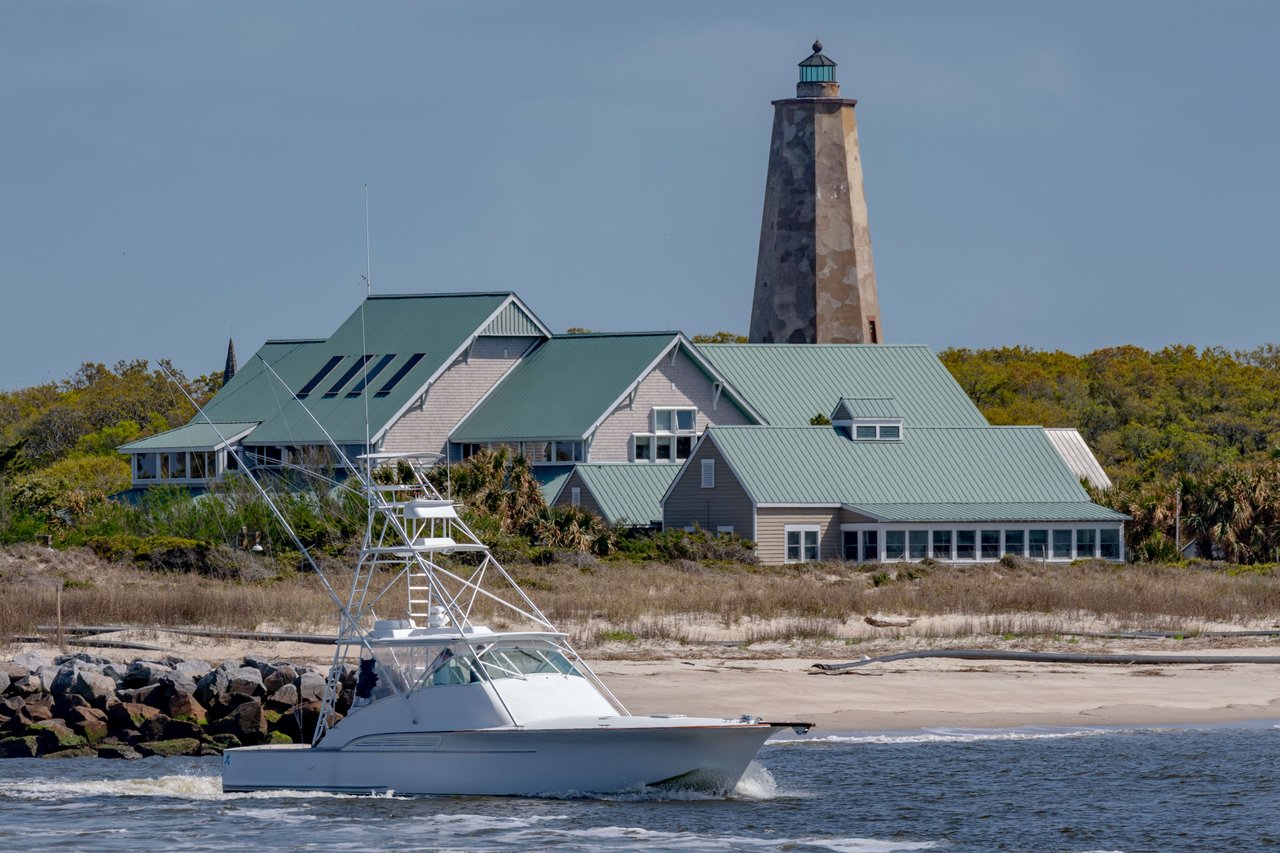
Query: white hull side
(507,762)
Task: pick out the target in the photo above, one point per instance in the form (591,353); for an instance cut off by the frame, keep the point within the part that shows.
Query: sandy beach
(777,682)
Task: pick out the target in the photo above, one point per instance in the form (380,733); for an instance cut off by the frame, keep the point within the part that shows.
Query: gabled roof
(850,408)
(790,383)
(193,436)
(566,386)
(410,338)
(550,479)
(1074,451)
(627,492)
(945,472)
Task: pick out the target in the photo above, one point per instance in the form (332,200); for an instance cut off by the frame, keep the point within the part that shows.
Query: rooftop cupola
(818,76)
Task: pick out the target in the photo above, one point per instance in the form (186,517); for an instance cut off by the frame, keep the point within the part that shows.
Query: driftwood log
(1046,657)
(888,623)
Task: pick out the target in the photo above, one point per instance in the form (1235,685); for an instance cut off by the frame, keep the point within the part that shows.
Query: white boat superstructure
(445,705)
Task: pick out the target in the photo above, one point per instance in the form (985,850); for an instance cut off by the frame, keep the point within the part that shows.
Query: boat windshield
(414,667)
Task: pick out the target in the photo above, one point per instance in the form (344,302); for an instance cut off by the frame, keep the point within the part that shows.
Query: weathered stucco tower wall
(815,281)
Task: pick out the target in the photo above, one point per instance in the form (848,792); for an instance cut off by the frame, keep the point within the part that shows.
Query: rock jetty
(80,705)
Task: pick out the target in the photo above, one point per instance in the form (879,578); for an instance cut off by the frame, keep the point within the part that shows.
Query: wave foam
(183,787)
(602,836)
(949,735)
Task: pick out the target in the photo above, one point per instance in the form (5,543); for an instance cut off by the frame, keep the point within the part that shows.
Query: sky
(1055,175)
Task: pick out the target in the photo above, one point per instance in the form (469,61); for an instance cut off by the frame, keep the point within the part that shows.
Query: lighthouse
(815,280)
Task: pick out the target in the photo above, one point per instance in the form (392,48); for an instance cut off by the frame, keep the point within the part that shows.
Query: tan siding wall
(588,501)
(459,388)
(727,504)
(771,540)
(848,516)
(612,441)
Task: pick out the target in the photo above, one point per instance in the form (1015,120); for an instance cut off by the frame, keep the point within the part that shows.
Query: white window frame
(878,424)
(654,438)
(675,418)
(577,452)
(802,529)
(724,528)
(213,467)
(575,496)
(708,473)
(1003,527)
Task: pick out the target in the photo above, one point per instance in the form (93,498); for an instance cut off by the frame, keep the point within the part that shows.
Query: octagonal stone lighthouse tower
(815,282)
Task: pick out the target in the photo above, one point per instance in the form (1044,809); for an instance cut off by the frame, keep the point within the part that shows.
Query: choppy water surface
(939,789)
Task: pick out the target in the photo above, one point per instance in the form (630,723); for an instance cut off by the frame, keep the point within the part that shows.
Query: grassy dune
(601,601)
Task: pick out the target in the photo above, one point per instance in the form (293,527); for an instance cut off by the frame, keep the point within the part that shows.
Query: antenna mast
(368,291)
(368,265)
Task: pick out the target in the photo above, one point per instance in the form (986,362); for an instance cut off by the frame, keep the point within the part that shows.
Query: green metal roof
(563,388)
(628,492)
(866,407)
(983,467)
(993,512)
(790,383)
(436,326)
(193,436)
(551,479)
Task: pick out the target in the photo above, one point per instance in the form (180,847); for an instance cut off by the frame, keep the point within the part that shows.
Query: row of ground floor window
(880,543)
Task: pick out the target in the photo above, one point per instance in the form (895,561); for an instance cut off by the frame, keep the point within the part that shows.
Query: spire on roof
(230,369)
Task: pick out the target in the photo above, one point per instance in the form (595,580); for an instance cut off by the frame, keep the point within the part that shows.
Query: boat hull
(506,762)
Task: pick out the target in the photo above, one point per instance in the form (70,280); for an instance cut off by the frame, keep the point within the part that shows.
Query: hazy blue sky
(1061,175)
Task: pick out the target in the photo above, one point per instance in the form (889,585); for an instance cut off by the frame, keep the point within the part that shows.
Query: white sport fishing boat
(443,705)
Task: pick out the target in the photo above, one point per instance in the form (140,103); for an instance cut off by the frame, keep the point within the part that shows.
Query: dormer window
(868,418)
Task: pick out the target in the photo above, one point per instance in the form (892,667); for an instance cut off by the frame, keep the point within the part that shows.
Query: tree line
(1181,431)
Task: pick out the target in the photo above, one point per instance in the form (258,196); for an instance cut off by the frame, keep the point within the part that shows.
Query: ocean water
(1031,789)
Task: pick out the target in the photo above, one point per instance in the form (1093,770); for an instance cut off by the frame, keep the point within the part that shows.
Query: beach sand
(776,682)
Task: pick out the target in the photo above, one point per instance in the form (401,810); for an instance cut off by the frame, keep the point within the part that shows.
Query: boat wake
(178,786)
(952,735)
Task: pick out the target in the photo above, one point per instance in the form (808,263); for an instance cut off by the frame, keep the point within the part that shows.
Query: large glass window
(662,447)
(1109,540)
(675,420)
(895,544)
(199,465)
(1085,538)
(942,544)
(564,451)
(919,544)
(870,546)
(144,466)
(1061,543)
(1038,544)
(965,544)
(802,544)
(990,542)
(1014,542)
(849,542)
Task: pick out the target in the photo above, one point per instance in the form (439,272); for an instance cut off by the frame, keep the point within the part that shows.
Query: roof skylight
(346,377)
(400,374)
(369,376)
(319,377)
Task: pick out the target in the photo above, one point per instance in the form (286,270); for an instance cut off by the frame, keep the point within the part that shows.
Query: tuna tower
(815,282)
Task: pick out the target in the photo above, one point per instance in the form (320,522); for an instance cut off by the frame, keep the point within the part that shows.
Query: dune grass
(604,601)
